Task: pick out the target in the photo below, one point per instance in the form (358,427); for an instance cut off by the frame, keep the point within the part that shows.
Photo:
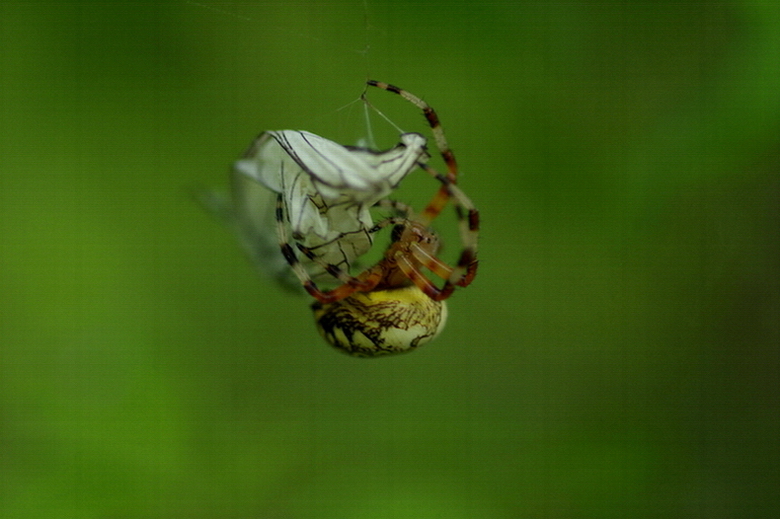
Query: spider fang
(380,322)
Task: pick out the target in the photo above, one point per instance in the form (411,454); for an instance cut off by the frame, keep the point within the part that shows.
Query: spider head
(414,232)
(381,322)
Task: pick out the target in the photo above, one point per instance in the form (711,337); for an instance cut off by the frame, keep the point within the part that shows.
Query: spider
(392,307)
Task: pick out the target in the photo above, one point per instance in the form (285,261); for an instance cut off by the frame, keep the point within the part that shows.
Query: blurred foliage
(617,355)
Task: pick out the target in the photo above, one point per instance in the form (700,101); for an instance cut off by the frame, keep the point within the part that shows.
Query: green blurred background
(617,355)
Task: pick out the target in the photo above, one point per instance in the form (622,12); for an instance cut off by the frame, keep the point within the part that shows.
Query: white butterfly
(327,190)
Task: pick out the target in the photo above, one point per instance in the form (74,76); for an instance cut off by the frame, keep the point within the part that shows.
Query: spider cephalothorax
(324,193)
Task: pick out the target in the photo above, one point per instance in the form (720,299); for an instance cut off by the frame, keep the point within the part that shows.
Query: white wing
(252,212)
(327,188)
(337,170)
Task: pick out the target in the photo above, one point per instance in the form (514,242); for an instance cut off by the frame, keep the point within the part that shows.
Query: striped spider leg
(468,216)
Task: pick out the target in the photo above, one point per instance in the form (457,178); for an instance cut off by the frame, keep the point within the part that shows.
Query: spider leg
(468,225)
(365,282)
(461,275)
(441,197)
(429,261)
(433,122)
(410,270)
(437,203)
(466,268)
(399,208)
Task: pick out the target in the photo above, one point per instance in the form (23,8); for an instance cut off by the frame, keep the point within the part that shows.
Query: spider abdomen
(381,322)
